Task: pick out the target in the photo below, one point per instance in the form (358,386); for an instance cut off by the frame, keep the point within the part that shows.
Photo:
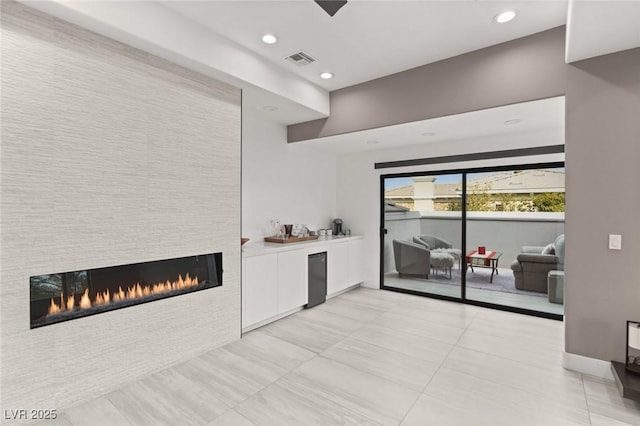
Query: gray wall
(109,156)
(524,69)
(602,181)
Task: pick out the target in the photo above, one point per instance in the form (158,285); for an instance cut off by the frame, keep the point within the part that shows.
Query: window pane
(422,247)
(510,213)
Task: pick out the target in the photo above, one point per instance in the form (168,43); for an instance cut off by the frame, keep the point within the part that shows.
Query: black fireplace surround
(69,295)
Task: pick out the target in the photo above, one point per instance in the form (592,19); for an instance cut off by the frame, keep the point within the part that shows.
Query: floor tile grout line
(319,355)
(511,359)
(422,335)
(365,324)
(497,356)
(438,369)
(586,399)
(449,352)
(538,395)
(315,355)
(350,335)
(489,380)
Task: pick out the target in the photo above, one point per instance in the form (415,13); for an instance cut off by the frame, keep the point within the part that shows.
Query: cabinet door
(292,280)
(356,262)
(337,267)
(261,288)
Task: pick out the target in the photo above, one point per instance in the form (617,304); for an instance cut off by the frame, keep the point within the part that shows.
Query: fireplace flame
(136,291)
(53,308)
(119,295)
(71,301)
(102,298)
(85,302)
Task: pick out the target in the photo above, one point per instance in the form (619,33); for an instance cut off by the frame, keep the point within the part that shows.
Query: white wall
(358,201)
(110,156)
(290,182)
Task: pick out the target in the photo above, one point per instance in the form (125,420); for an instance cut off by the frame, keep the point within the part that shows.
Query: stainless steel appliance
(317,279)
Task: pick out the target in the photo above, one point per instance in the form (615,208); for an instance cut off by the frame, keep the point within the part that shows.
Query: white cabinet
(292,280)
(337,267)
(260,290)
(275,283)
(345,265)
(356,262)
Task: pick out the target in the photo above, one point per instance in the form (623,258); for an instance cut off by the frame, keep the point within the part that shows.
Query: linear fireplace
(69,295)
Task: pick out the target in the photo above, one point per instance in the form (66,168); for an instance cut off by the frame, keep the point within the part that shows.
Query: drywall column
(602,286)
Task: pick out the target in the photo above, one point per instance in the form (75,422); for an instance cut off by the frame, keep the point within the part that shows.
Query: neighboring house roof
(400,192)
(448,189)
(523,182)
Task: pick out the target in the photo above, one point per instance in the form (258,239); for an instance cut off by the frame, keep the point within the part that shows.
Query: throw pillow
(549,249)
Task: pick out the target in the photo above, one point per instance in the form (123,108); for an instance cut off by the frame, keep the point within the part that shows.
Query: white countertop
(260,248)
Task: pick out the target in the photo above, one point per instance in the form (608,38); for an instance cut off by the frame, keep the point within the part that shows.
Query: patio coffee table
(487,260)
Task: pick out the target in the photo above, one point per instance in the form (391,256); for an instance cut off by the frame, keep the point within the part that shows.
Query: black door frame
(463,294)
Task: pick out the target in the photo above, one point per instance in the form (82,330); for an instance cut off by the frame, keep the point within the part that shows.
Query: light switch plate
(615,242)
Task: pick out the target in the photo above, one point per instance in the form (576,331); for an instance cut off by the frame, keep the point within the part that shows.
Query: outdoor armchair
(411,259)
(531,267)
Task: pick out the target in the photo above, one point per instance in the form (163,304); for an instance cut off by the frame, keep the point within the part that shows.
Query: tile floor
(371,357)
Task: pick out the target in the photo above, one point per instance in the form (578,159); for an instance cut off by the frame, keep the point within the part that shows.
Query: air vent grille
(300,58)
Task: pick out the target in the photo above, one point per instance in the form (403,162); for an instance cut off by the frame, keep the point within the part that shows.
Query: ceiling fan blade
(330,6)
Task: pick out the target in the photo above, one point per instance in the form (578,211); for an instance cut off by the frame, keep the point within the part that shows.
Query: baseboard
(272,319)
(338,293)
(585,365)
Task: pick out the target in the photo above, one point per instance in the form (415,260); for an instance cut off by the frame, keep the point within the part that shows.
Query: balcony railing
(506,232)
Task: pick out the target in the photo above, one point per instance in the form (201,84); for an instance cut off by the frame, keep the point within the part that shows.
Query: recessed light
(513,121)
(505,16)
(270,108)
(326,75)
(427,134)
(372,142)
(269,38)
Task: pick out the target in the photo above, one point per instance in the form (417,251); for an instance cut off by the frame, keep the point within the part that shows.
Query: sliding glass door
(484,236)
(422,230)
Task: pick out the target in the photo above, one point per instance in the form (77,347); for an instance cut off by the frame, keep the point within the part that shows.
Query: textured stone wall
(109,156)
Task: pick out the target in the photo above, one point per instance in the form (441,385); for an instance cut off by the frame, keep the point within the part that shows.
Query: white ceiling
(597,28)
(366,40)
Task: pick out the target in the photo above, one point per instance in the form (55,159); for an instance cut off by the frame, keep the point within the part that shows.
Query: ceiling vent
(300,58)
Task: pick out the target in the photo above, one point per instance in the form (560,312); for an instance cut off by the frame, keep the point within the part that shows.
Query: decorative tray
(283,240)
